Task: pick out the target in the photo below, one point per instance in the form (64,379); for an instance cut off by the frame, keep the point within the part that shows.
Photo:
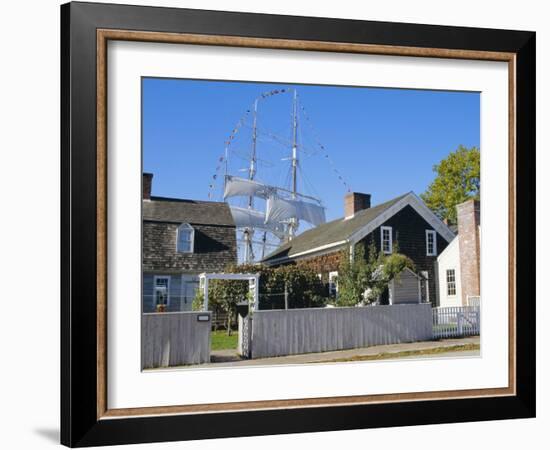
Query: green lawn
(221,341)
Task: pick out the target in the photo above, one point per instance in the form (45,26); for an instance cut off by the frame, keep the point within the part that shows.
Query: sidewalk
(229,358)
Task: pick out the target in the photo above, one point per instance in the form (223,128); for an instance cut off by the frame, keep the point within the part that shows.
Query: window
(333,284)
(451,283)
(186,237)
(386,239)
(431,243)
(161,290)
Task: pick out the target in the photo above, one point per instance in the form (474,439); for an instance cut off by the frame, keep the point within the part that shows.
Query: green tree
(353,275)
(223,295)
(362,279)
(457,180)
(300,284)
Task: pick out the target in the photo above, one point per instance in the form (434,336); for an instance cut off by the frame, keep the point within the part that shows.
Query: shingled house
(405,221)
(181,239)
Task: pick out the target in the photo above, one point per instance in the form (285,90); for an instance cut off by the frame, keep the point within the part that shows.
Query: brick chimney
(468,243)
(146,184)
(355,202)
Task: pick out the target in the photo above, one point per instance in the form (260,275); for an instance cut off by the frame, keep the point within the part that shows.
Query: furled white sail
(279,209)
(235,186)
(250,218)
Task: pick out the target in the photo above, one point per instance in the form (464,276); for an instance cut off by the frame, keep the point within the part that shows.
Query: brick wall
(354,202)
(147,184)
(468,241)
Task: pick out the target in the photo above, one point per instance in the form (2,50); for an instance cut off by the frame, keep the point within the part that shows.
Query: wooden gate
(456,321)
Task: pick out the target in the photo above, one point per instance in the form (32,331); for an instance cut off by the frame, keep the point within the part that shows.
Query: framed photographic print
(276,224)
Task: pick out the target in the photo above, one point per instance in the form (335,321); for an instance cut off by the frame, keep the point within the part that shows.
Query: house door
(189,289)
(385,297)
(425,287)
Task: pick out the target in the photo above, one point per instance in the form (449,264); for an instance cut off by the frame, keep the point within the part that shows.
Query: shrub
(301,284)
(362,279)
(303,289)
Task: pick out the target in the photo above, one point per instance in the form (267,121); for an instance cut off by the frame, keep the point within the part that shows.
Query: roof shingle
(330,232)
(161,209)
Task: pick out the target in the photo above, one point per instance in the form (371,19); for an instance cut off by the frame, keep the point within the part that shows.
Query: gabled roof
(198,212)
(331,232)
(339,231)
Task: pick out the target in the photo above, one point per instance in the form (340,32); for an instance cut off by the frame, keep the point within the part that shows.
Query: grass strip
(392,355)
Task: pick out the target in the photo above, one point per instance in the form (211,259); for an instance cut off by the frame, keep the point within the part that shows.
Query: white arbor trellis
(253,280)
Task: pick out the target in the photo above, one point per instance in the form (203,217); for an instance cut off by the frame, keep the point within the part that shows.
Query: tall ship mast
(268,214)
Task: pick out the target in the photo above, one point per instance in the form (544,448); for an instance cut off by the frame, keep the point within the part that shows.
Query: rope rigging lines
(269,137)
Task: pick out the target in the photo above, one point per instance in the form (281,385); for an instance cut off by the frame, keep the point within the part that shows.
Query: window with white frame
(333,284)
(186,238)
(451,283)
(431,243)
(161,290)
(386,241)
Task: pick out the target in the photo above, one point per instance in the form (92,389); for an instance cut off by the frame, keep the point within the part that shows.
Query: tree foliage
(353,276)
(363,278)
(302,286)
(457,180)
(303,289)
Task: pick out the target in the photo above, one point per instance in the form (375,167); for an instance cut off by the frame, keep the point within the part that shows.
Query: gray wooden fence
(295,331)
(174,339)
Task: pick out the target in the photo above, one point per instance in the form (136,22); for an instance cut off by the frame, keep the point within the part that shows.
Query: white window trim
(155,278)
(382,229)
(333,282)
(447,282)
(434,234)
(192,245)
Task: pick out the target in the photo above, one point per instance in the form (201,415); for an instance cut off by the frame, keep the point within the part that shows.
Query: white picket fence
(474,300)
(456,321)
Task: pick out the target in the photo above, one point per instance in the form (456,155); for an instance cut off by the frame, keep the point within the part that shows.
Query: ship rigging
(268,214)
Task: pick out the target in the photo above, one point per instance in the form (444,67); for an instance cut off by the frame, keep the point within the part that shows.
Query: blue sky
(380,141)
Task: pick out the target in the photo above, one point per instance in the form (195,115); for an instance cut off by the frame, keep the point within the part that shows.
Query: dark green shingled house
(405,220)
